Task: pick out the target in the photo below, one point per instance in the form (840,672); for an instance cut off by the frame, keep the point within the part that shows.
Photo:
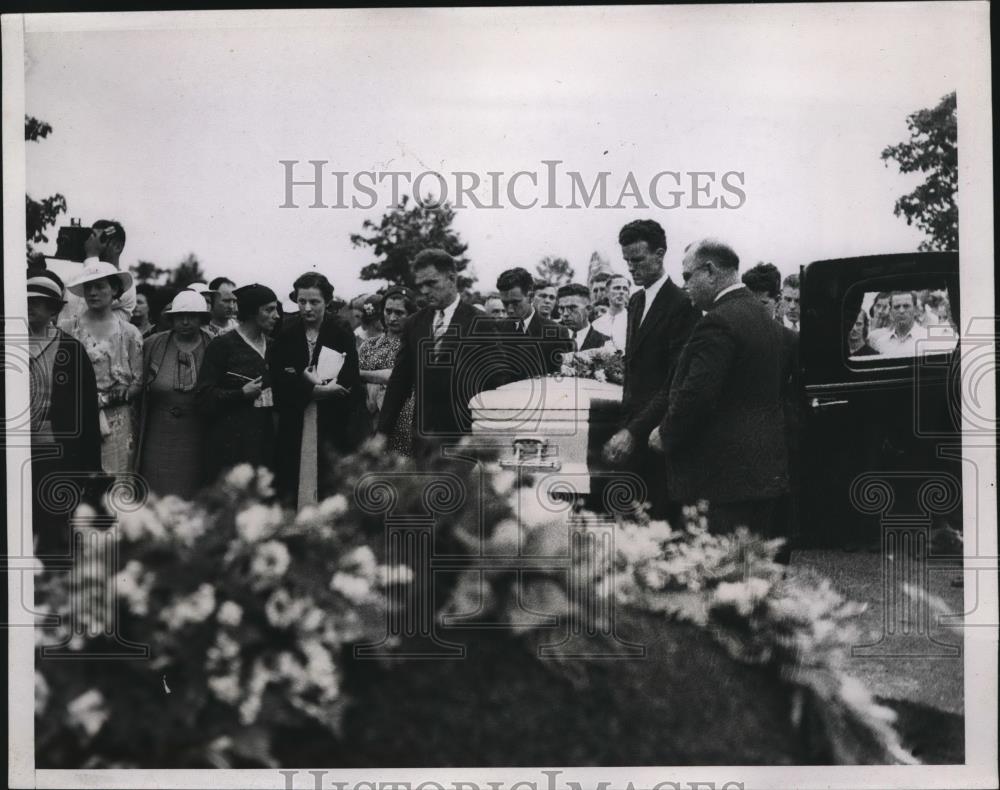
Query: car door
(873,417)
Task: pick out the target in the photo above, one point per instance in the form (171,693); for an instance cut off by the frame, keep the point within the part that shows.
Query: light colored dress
(380,353)
(117,362)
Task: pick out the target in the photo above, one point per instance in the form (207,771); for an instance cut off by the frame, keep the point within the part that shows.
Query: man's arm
(710,355)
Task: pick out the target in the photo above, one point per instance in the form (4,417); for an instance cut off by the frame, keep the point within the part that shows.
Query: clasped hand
(321,390)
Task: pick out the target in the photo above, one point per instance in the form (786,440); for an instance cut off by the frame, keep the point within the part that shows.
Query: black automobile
(879,411)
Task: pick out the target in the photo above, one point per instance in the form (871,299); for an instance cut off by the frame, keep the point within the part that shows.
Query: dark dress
(292,395)
(237,431)
(172,430)
(65,441)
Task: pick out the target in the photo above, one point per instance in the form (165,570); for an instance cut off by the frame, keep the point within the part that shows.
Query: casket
(554,426)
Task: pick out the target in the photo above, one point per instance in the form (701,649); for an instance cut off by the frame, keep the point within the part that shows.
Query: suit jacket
(468,362)
(594,339)
(723,433)
(651,353)
(292,393)
(537,352)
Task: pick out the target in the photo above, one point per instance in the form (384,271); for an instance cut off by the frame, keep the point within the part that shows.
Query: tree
(404,231)
(187,271)
(39,214)
(598,264)
(148,272)
(931,149)
(556,271)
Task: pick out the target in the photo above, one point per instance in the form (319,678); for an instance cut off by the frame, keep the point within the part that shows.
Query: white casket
(553,426)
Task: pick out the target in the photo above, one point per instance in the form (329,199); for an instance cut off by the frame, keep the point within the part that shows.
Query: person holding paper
(316,389)
(233,392)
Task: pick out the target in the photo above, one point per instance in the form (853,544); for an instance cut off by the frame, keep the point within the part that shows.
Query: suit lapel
(656,312)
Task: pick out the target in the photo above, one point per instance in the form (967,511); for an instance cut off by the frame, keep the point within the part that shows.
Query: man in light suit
(532,345)
(723,434)
(449,354)
(574,306)
(660,319)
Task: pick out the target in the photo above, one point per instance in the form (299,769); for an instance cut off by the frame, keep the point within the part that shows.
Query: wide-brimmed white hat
(187,302)
(99,270)
(201,288)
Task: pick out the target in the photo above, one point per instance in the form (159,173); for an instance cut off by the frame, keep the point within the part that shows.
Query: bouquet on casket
(601,364)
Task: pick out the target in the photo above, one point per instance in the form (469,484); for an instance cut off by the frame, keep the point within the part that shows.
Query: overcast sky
(179,132)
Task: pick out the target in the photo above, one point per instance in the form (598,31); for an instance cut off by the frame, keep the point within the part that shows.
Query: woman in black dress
(234,387)
(65,428)
(314,409)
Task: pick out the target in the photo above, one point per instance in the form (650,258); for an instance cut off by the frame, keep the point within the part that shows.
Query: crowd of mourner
(178,393)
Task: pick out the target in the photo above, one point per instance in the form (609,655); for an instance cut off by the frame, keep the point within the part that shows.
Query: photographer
(105,243)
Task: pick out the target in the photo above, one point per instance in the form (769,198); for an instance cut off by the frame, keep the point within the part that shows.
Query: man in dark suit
(660,319)
(723,434)
(448,355)
(574,309)
(532,345)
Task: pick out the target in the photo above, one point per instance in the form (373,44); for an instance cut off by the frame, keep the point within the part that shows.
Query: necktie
(439,328)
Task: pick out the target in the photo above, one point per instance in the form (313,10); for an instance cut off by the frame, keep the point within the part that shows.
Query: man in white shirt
(223,307)
(901,338)
(614,323)
(790,302)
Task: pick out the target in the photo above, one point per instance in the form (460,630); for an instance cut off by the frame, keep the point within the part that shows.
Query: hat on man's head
(200,288)
(187,301)
(99,270)
(43,284)
(252,297)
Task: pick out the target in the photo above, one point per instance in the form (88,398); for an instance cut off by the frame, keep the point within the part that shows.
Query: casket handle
(529,453)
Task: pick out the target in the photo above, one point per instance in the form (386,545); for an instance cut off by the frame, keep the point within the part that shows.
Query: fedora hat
(187,302)
(99,270)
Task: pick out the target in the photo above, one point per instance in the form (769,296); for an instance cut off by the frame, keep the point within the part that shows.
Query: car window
(898,322)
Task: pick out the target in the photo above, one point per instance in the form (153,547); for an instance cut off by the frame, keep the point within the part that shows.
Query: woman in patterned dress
(114,347)
(170,445)
(377,357)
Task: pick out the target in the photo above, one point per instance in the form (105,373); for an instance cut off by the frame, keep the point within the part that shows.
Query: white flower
(226,688)
(240,477)
(230,613)
(355,589)
(282,610)
(194,608)
(133,584)
(600,375)
(270,561)
(307,515)
(265,482)
(360,562)
(333,506)
(741,595)
(322,670)
(257,522)
(393,574)
(504,480)
(88,711)
(140,524)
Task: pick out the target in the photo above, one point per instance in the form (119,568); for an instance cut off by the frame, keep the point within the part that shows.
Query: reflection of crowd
(898,322)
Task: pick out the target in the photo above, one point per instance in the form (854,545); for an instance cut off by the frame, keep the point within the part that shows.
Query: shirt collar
(527,320)
(581,334)
(652,290)
(728,289)
(449,311)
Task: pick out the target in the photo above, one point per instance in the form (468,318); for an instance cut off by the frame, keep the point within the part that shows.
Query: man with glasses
(723,434)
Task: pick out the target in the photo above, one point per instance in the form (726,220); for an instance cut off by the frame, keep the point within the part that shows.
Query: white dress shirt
(728,289)
(581,335)
(615,327)
(449,313)
(651,292)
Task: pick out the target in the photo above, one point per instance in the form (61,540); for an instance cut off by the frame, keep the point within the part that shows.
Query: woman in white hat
(115,350)
(170,444)
(65,432)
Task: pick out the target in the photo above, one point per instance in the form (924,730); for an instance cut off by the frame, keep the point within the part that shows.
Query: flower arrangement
(600,364)
(249,610)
